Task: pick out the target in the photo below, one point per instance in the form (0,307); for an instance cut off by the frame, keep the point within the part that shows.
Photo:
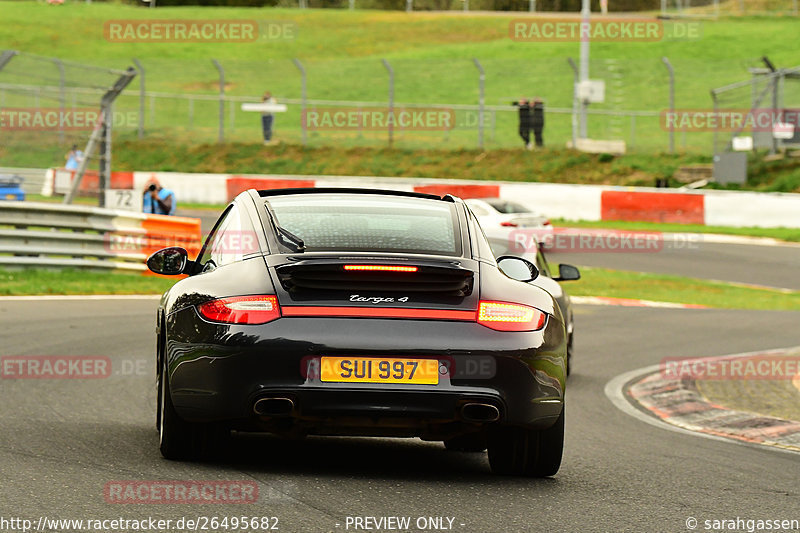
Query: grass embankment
(550,165)
(679,289)
(595,282)
(784,234)
(342,50)
(32,281)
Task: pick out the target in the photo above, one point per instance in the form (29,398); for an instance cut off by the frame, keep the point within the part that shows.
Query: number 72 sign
(123,199)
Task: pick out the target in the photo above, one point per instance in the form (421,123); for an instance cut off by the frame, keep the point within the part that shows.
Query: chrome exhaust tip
(273,407)
(480,412)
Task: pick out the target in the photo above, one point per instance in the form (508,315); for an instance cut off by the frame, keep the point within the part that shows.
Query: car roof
(355,191)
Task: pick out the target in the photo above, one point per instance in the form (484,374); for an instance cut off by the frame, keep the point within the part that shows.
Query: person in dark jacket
(524,121)
(537,121)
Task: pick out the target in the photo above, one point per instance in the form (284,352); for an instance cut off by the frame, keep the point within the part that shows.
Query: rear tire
(526,452)
(180,440)
(472,442)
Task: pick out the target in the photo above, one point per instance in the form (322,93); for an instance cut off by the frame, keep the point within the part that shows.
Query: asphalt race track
(61,441)
(771,266)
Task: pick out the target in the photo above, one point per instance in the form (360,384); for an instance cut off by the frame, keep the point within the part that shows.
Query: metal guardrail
(34,178)
(67,236)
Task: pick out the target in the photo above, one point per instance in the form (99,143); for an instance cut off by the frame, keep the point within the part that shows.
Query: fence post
(481,99)
(671,103)
(531,5)
(391,100)
(104,173)
(140,68)
(716,113)
(409,6)
(101,135)
(302,70)
(62,97)
(221,136)
(574,103)
(775,84)
(586,14)
(6,56)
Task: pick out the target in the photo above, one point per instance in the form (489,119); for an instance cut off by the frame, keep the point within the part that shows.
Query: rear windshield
(330,222)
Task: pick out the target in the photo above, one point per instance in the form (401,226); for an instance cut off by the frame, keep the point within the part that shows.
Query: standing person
(524,121)
(537,121)
(74,158)
(267,117)
(158,200)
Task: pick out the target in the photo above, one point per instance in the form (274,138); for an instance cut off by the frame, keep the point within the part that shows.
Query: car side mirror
(169,261)
(568,273)
(517,268)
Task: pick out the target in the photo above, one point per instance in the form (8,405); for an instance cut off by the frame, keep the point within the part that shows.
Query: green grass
(594,282)
(678,289)
(550,165)
(785,234)
(70,281)
(431,55)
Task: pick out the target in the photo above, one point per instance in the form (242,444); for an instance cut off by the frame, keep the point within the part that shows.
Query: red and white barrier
(571,202)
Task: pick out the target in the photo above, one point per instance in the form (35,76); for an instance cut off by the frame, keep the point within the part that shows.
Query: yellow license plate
(379,370)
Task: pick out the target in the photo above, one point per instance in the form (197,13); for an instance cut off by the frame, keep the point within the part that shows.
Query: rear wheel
(472,442)
(526,452)
(181,440)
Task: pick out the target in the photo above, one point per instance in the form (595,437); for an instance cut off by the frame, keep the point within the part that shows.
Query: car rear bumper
(223,375)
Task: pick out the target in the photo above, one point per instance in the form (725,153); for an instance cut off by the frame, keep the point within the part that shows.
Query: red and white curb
(627,302)
(677,405)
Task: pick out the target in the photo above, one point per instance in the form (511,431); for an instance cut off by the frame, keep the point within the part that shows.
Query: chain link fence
(182,100)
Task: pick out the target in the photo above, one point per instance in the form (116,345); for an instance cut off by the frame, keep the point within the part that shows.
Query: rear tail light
(546,223)
(380,268)
(242,310)
(504,316)
(509,224)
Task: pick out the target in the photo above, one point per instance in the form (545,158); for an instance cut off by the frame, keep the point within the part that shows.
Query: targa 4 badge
(376,299)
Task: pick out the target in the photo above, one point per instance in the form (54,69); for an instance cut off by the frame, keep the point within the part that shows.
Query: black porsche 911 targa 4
(359,312)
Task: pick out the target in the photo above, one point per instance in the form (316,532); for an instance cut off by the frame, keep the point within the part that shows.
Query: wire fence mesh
(181,99)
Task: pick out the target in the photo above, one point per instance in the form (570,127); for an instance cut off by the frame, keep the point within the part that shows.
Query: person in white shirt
(267,117)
